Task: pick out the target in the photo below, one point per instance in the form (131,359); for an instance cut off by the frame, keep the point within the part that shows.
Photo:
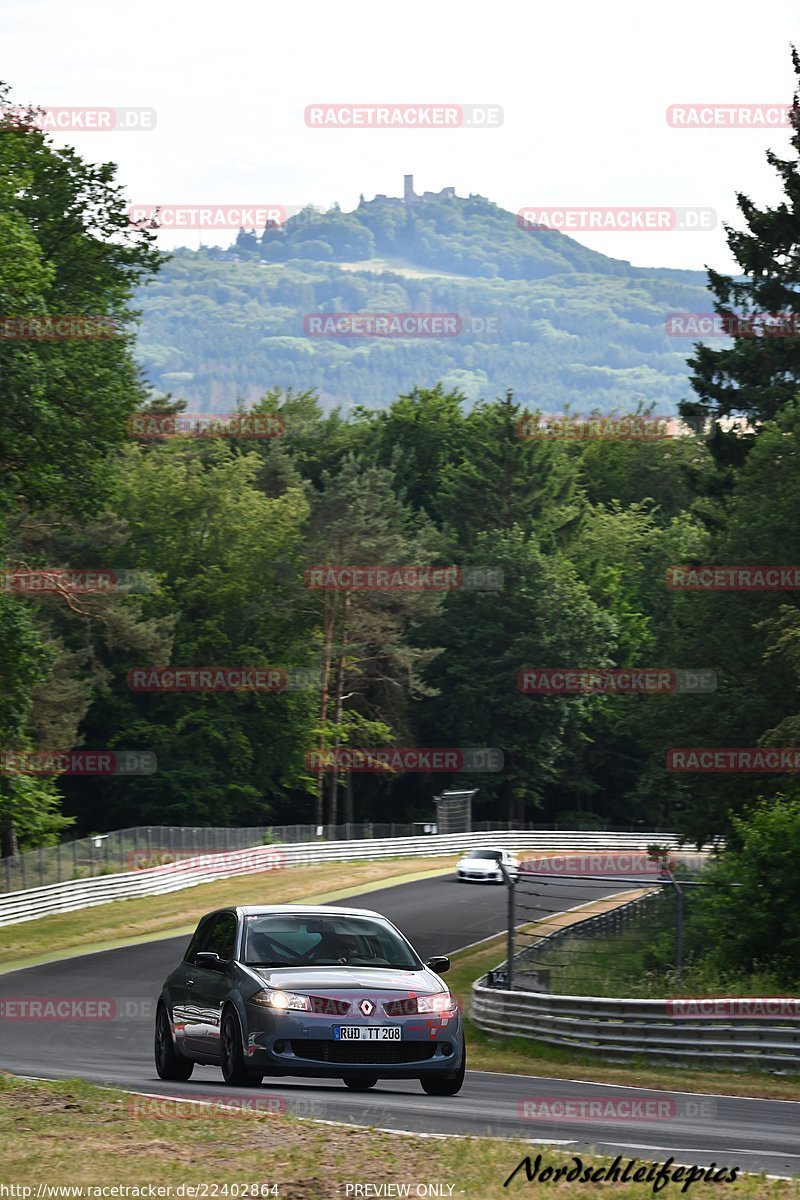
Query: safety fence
(125,850)
(728,1030)
(155,845)
(205,868)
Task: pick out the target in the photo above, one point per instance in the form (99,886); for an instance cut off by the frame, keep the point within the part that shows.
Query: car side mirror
(210,959)
(440,964)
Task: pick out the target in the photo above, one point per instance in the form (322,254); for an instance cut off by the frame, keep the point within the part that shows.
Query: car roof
(322,910)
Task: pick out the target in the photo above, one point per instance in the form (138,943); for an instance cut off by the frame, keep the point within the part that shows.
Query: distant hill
(537,312)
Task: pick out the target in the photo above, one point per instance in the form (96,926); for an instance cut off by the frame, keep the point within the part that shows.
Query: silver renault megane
(299,990)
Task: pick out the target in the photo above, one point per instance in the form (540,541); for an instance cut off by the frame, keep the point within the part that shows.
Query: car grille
(368,1053)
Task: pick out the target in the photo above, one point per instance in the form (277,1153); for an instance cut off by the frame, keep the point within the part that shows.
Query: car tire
(170,1063)
(359,1083)
(446,1084)
(234,1071)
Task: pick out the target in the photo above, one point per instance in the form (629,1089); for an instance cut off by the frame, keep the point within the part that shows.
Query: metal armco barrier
(32,903)
(613,1026)
(617,1027)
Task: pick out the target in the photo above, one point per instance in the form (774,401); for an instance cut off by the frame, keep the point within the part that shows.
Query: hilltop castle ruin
(409,195)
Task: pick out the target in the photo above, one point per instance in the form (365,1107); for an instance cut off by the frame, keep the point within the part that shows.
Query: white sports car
(483,865)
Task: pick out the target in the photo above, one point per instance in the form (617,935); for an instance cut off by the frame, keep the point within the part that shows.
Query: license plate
(367,1033)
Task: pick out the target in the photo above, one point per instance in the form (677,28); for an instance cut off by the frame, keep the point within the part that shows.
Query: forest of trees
(580,535)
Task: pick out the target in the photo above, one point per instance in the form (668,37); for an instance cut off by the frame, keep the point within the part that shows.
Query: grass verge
(73,1133)
(127,921)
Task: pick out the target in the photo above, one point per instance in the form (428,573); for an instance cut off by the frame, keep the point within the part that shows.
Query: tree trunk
(508,799)
(329,623)
(333,803)
(9,847)
(348,797)
(338,704)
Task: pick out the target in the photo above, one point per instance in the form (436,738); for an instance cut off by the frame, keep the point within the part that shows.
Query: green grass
(74,1133)
(638,962)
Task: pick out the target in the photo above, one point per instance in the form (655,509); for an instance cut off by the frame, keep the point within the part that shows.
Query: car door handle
(189,983)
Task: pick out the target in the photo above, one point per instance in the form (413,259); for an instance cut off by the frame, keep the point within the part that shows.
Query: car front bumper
(301,1043)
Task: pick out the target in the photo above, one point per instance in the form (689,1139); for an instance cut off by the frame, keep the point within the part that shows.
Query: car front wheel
(170,1063)
(449,1084)
(234,1070)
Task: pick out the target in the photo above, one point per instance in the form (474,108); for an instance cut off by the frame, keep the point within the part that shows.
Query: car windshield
(288,940)
(493,855)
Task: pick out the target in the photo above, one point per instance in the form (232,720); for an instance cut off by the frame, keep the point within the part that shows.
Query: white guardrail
(37,902)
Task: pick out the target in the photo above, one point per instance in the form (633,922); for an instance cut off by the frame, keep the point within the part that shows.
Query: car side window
(199,940)
(223,935)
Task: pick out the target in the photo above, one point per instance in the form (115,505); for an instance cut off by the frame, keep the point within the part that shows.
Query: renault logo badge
(367,1008)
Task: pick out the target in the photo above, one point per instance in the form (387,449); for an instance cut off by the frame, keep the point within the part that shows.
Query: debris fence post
(510,886)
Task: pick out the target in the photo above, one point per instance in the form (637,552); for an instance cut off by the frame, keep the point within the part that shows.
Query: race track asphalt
(438,915)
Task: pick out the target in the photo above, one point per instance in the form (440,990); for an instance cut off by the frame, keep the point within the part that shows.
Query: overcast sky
(584,89)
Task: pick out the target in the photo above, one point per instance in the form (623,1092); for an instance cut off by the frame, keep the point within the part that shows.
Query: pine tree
(760,372)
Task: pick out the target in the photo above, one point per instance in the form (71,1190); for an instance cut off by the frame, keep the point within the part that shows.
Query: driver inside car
(334,947)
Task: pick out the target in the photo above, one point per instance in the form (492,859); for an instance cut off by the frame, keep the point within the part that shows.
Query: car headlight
(441,1002)
(281,1001)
